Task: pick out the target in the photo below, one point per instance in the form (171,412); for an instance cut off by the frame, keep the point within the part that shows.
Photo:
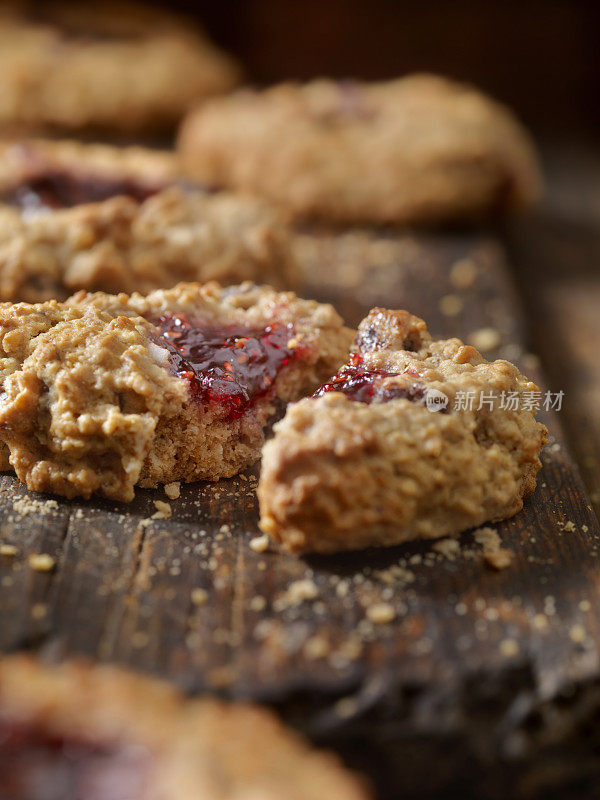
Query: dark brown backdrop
(540,56)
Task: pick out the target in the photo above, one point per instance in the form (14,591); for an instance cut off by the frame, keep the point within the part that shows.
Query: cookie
(412,438)
(116,66)
(111,219)
(417,150)
(43,174)
(103,732)
(106,392)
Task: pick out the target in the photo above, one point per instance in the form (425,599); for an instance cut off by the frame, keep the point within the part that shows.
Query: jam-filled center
(363,384)
(230,366)
(36,765)
(54,189)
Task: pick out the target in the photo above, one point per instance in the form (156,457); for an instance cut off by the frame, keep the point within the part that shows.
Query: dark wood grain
(473,672)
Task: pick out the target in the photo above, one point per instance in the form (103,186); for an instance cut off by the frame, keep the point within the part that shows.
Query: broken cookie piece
(76,730)
(411,438)
(106,392)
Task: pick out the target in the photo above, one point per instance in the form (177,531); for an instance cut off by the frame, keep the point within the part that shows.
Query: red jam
(364,385)
(35,765)
(230,366)
(56,189)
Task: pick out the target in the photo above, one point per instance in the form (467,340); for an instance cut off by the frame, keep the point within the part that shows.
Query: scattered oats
(449,548)
(577,634)
(451,305)
(173,490)
(460,609)
(41,562)
(163,510)
(463,273)
(584,528)
(569,526)
(585,605)
(346,707)
(260,543)
(8,550)
(225,529)
(257,603)
(39,610)
(380,613)
(484,339)
(509,648)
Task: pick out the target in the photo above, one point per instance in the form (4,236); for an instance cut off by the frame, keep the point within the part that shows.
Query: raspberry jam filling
(230,366)
(35,765)
(365,385)
(56,189)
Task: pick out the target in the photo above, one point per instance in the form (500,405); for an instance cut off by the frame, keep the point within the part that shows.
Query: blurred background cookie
(416,150)
(120,67)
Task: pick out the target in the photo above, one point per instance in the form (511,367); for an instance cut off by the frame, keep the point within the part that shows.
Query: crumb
(449,548)
(463,273)
(260,543)
(225,529)
(540,621)
(569,526)
(39,610)
(577,634)
(257,603)
(509,648)
(173,490)
(163,510)
(585,605)
(484,339)
(380,613)
(451,305)
(199,596)
(41,562)
(8,550)
(299,591)
(316,647)
(495,555)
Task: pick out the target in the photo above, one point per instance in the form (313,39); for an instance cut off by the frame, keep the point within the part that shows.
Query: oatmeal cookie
(108,391)
(393,449)
(101,218)
(103,732)
(120,66)
(123,245)
(41,174)
(420,150)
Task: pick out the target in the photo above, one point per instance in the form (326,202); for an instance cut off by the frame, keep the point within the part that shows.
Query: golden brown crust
(341,474)
(185,748)
(115,65)
(89,402)
(420,149)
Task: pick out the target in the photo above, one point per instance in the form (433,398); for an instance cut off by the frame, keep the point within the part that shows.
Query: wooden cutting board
(484,681)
